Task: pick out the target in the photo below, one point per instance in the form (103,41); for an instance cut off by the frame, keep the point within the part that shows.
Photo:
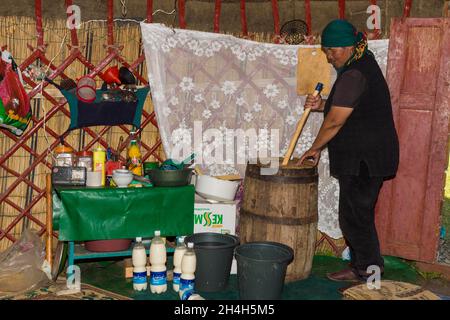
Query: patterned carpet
(389,290)
(50,292)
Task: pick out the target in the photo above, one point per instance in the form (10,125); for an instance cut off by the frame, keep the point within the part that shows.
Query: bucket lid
(286,253)
(63,149)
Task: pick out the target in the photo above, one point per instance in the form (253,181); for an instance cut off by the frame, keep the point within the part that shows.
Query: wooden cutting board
(312,68)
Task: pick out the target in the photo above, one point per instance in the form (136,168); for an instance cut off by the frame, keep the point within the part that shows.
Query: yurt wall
(24,206)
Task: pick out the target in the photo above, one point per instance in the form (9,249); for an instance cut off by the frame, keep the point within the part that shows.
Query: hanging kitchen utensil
(86,89)
(117,153)
(126,76)
(111,75)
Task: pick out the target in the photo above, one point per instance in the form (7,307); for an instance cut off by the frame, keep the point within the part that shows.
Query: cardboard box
(215,217)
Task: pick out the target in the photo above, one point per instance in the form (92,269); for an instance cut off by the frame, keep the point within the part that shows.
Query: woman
(359,131)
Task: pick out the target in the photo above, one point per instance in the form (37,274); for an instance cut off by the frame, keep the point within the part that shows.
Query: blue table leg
(71,258)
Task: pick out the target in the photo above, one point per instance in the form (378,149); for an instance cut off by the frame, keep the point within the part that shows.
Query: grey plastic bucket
(261,269)
(214,252)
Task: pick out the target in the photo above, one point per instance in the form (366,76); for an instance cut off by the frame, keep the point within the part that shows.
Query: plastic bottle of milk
(158,270)
(187,278)
(177,258)
(139,258)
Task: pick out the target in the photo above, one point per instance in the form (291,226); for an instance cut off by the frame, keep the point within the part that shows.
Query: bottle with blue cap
(139,259)
(158,270)
(187,278)
(180,250)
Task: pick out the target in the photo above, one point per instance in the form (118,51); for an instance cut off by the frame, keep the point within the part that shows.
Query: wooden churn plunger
(299,128)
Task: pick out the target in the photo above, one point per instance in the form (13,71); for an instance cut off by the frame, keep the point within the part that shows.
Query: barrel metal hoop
(282,220)
(284,179)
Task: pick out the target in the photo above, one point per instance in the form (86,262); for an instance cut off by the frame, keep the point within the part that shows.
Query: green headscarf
(341,33)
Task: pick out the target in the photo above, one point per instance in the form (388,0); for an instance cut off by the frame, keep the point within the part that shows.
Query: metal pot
(170,178)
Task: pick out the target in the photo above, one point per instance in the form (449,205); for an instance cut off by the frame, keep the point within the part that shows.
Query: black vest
(369,133)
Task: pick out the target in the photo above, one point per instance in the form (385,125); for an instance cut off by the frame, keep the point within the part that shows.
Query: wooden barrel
(282,208)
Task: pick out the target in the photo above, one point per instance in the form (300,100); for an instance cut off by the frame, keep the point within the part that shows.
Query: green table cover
(118,213)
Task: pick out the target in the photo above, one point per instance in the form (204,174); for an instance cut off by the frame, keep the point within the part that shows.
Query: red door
(418,73)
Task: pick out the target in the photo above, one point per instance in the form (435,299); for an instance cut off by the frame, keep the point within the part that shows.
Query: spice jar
(64,156)
(84,159)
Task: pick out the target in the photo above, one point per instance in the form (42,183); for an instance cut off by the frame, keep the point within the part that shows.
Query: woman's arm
(331,125)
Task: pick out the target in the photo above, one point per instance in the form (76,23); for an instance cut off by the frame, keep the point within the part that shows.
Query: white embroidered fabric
(206,87)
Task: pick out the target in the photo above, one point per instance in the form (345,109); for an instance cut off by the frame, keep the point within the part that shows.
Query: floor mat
(110,275)
(50,292)
(389,290)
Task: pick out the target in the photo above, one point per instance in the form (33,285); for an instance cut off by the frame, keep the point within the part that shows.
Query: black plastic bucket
(261,269)
(214,252)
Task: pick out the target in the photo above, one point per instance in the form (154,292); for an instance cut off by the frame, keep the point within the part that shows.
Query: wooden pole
(299,129)
(149,11)
(308,16)
(217,15)
(243,19)
(341,9)
(181,14)
(49,219)
(276,17)
(407,8)
(446,11)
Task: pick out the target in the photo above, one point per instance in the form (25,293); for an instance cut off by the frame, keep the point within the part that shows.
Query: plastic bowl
(216,189)
(122,178)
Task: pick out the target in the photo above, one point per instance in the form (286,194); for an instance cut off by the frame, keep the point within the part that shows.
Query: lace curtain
(206,87)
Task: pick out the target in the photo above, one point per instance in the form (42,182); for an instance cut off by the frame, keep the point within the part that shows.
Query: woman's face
(338,56)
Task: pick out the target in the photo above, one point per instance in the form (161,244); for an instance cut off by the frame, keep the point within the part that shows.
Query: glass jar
(64,157)
(84,159)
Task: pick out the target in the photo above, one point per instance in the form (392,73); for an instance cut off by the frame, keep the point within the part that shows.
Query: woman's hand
(314,102)
(311,155)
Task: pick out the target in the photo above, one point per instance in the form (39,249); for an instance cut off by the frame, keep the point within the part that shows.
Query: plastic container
(216,189)
(84,159)
(107,245)
(188,267)
(64,157)
(139,259)
(158,270)
(93,179)
(214,258)
(134,158)
(99,159)
(122,177)
(180,250)
(261,269)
